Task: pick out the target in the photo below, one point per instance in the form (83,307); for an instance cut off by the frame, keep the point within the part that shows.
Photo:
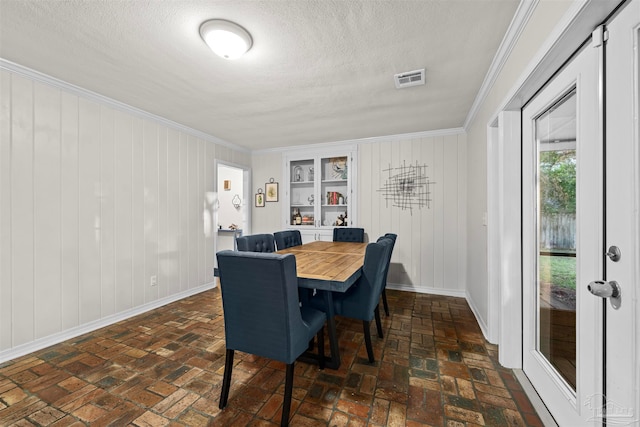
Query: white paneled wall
(94,201)
(430,253)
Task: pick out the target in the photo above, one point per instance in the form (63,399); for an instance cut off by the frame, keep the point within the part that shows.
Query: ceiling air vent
(410,78)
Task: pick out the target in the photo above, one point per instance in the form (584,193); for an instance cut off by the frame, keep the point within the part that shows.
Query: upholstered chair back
(256,243)
(288,238)
(362,298)
(348,234)
(260,301)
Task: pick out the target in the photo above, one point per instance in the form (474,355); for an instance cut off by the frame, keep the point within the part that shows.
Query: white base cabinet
(319,192)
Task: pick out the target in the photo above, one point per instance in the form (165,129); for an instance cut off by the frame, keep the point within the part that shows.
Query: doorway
(232,204)
(579,217)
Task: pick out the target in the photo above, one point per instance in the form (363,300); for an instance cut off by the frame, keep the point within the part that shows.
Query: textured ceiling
(318,71)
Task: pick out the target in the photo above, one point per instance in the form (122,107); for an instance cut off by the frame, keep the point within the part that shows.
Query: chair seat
(345,305)
(313,320)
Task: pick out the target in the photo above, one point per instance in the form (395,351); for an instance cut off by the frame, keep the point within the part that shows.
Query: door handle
(614,253)
(604,289)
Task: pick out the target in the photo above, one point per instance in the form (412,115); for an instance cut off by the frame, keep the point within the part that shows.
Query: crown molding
(101,99)
(369,140)
(517,25)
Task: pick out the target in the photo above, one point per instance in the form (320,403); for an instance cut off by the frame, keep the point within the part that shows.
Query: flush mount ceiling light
(225,38)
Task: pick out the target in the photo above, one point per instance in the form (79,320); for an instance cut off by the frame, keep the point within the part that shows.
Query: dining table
(328,267)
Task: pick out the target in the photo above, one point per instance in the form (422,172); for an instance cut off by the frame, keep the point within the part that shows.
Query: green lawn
(559,271)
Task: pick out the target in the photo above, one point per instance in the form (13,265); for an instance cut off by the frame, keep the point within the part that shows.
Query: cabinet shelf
(337,206)
(335,181)
(302,183)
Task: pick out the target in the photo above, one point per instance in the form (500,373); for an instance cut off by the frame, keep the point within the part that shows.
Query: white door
(580,196)
(620,406)
(562,239)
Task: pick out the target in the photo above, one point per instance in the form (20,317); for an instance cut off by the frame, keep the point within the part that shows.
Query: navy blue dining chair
(262,315)
(361,300)
(348,234)
(393,238)
(256,243)
(288,238)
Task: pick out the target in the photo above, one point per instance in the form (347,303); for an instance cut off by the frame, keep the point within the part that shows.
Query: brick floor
(164,367)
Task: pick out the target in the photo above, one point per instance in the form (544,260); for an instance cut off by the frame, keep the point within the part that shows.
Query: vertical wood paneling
(107,210)
(416,219)
(426,259)
(171,261)
(150,160)
(202,241)
(89,219)
(430,253)
(462,209)
(93,202)
(184,212)
(162,212)
(439,167)
(22,210)
(366,191)
(193,214)
(378,203)
(450,207)
(70,305)
(403,220)
(210,232)
(123,212)
(47,241)
(5,211)
(137,213)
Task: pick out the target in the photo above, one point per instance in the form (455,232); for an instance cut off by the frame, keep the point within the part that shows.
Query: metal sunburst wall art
(407,187)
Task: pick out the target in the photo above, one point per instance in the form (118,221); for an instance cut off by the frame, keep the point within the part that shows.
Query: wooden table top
(328,265)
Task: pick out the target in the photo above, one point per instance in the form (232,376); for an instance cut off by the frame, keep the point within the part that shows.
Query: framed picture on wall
(259,199)
(271,191)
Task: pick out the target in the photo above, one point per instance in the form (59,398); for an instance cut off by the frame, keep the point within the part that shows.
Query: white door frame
(247,198)
(504,138)
(581,74)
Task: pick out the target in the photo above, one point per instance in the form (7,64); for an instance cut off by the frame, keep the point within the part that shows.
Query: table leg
(334,361)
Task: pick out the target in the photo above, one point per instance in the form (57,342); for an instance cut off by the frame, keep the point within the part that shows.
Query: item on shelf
(310,175)
(307,220)
(339,166)
(297,174)
(341,221)
(341,200)
(310,199)
(333,198)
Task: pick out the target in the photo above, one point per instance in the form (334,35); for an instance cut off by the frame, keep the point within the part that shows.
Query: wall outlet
(153,281)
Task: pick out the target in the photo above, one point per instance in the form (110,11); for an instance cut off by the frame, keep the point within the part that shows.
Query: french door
(580,231)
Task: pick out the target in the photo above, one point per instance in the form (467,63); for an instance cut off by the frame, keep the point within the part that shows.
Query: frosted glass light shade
(225,38)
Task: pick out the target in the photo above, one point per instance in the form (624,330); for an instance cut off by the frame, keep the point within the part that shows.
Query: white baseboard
(59,337)
(424,290)
(483,326)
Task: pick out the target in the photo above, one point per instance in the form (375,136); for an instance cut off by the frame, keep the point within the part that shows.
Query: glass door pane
(302,191)
(556,169)
(334,191)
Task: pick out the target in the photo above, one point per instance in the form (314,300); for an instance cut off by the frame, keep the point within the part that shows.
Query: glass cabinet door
(319,193)
(302,193)
(335,191)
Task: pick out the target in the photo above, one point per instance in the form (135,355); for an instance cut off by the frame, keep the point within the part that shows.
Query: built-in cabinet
(319,192)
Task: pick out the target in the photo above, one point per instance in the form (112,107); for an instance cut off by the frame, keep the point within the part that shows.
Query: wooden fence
(558,232)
